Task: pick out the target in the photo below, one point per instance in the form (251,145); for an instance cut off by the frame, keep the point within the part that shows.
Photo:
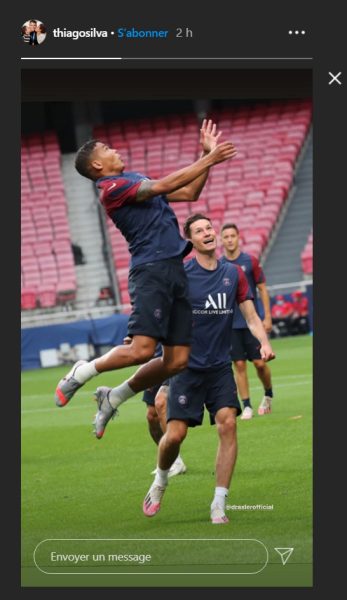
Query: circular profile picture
(33,32)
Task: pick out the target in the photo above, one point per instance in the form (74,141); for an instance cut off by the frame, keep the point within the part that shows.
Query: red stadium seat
(125,299)
(307,263)
(29,263)
(28,237)
(62,246)
(26,251)
(28,298)
(42,248)
(46,296)
(307,256)
(61,231)
(32,280)
(122,262)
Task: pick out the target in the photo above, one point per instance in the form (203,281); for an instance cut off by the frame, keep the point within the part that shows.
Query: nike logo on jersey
(112,186)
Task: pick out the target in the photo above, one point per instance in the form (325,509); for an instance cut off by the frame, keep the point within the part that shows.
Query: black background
(220,29)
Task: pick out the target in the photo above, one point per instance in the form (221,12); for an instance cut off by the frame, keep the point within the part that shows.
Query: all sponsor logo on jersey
(220,301)
(215,304)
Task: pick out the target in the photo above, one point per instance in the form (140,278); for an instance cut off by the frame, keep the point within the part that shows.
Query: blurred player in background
(156,401)
(244,345)
(214,289)
(282,314)
(158,288)
(299,318)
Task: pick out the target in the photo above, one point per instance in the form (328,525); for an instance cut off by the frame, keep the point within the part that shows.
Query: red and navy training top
(150,227)
(255,274)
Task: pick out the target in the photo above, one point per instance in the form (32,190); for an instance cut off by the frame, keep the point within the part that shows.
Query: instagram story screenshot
(177,173)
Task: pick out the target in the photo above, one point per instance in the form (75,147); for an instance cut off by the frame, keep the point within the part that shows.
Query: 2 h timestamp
(184,32)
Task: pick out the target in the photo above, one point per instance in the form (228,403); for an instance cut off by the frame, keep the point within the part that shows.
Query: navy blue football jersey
(255,274)
(214,295)
(150,227)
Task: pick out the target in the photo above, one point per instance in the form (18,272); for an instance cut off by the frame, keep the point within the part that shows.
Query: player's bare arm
(178,179)
(265,298)
(256,327)
(208,139)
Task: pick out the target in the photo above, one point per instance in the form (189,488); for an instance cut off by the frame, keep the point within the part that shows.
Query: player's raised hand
(208,135)
(222,152)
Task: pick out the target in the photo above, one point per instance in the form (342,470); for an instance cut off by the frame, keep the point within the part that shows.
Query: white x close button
(335,78)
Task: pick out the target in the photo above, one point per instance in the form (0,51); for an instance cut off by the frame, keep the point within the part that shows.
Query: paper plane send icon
(285,554)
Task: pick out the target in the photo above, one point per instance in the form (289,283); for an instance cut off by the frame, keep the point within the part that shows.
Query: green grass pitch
(74,486)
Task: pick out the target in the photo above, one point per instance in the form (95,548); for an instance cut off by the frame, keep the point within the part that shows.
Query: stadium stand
(307,256)
(47,265)
(251,190)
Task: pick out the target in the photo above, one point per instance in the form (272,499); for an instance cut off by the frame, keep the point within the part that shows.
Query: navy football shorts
(160,303)
(244,346)
(191,390)
(150,394)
